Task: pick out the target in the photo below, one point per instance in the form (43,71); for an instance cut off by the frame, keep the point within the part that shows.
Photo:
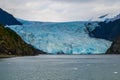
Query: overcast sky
(60,10)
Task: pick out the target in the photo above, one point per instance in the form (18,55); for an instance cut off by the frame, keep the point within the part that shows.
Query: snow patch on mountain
(113,19)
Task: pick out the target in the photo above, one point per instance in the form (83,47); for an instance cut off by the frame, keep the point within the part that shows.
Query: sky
(61,10)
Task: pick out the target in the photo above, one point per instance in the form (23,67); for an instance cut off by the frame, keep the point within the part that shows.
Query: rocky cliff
(115,47)
(11,43)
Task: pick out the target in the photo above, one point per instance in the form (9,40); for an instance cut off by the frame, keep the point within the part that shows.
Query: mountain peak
(7,19)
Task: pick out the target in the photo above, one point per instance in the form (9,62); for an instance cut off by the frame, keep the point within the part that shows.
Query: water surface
(61,67)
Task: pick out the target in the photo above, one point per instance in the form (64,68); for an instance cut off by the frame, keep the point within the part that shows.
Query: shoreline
(2,56)
(6,56)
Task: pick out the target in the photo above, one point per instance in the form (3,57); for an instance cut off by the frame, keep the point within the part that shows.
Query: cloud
(74,1)
(60,10)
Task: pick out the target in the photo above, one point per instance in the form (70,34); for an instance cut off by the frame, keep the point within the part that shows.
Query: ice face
(67,37)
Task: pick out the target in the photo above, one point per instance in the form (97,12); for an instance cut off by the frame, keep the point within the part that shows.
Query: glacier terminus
(61,37)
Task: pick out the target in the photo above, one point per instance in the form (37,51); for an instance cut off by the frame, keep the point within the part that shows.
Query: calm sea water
(61,67)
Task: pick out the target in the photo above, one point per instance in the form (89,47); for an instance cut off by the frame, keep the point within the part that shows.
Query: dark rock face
(115,47)
(7,19)
(109,31)
(11,43)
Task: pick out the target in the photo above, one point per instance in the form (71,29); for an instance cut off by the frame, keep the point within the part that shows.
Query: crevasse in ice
(66,37)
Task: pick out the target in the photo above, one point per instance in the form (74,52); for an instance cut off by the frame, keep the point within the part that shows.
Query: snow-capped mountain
(109,30)
(113,19)
(81,37)
(66,37)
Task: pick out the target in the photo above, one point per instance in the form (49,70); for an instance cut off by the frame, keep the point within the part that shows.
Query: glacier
(61,37)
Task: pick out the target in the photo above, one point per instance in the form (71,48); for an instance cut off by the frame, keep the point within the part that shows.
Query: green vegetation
(12,44)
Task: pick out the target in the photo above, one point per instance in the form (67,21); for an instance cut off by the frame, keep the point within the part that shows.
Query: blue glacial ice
(66,37)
